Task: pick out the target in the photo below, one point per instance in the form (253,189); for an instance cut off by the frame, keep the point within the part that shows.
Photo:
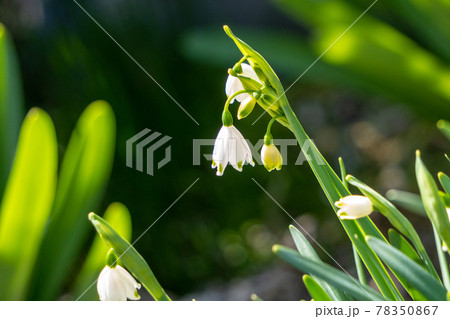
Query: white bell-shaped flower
(230,147)
(116,284)
(354,207)
(234,85)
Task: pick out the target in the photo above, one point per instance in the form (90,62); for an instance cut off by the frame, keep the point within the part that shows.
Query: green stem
(269,126)
(442,260)
(334,189)
(232,96)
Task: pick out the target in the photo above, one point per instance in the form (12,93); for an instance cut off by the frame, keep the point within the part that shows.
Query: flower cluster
(245,86)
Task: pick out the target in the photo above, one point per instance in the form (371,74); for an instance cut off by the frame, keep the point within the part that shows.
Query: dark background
(217,238)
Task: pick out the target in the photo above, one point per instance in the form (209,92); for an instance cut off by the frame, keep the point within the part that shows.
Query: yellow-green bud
(246,107)
(271,157)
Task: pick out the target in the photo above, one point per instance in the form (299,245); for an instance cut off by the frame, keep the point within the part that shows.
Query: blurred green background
(373,98)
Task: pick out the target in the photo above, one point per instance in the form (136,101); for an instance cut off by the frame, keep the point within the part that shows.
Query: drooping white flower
(234,84)
(116,284)
(271,157)
(230,147)
(354,207)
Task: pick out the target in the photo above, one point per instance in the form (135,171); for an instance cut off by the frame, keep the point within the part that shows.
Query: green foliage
(27,203)
(331,275)
(11,104)
(409,271)
(42,213)
(314,289)
(84,175)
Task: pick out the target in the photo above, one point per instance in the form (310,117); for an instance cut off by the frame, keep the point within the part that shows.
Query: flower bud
(354,207)
(271,157)
(246,107)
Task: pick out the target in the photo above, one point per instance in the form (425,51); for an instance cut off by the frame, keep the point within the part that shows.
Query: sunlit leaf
(445,181)
(444,126)
(314,289)
(84,174)
(27,202)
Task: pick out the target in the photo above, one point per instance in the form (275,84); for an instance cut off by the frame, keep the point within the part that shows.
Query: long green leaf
(132,260)
(409,270)
(329,274)
(84,174)
(314,289)
(399,242)
(444,126)
(118,217)
(442,260)
(306,250)
(397,219)
(11,104)
(434,206)
(27,203)
(445,182)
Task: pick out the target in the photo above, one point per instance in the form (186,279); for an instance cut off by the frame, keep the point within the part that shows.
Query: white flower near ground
(354,207)
(271,157)
(234,85)
(230,147)
(116,284)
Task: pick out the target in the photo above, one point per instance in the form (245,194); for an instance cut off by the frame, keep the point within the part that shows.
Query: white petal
(233,83)
(220,152)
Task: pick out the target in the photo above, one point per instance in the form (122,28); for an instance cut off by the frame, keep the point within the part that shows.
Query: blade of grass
(118,217)
(432,202)
(306,250)
(314,289)
(27,202)
(444,126)
(84,174)
(408,270)
(399,242)
(329,274)
(442,260)
(11,104)
(132,260)
(445,181)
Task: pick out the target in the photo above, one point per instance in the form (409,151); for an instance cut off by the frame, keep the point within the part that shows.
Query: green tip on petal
(239,165)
